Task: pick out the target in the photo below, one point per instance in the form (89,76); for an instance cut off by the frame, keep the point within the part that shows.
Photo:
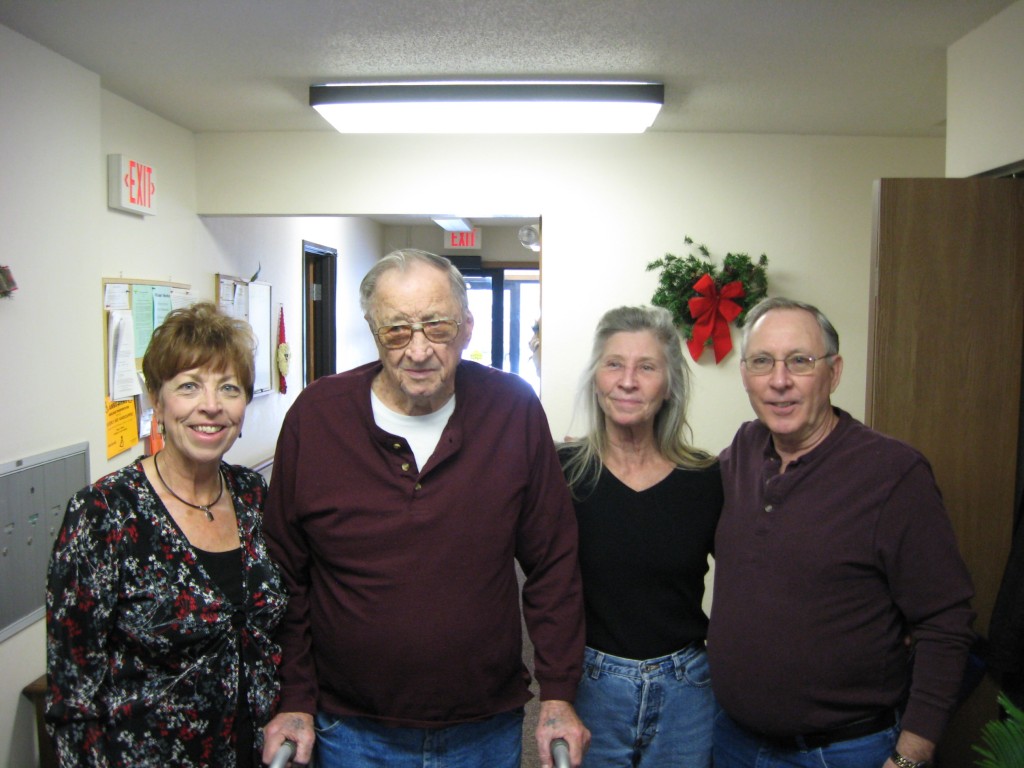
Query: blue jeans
(736,747)
(656,712)
(361,742)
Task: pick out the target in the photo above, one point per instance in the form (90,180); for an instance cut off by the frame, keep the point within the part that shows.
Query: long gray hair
(672,433)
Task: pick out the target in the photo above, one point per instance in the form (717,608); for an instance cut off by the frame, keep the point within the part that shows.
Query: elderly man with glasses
(832,550)
(403,493)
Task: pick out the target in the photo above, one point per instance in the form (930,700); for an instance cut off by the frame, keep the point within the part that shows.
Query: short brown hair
(200,336)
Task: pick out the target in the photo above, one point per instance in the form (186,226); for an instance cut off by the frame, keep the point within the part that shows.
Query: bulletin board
(132,309)
(250,301)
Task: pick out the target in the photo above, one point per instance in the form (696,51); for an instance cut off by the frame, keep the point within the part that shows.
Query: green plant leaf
(1002,741)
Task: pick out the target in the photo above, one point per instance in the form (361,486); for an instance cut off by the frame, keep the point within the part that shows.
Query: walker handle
(560,753)
(284,753)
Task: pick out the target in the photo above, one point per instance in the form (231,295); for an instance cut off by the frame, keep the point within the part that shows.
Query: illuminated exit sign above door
(463,240)
(131,185)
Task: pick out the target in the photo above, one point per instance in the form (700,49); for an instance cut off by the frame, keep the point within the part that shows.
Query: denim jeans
(360,742)
(736,747)
(656,712)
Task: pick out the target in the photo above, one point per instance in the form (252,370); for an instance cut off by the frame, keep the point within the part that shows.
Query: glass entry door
(506,305)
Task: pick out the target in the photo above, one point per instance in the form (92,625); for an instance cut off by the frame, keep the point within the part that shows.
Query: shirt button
(405,467)
(418,486)
(397,446)
(768,507)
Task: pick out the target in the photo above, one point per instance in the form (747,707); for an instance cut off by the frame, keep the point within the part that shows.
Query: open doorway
(319,313)
(505,303)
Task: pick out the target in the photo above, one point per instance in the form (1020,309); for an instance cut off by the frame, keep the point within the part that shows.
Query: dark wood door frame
(319,311)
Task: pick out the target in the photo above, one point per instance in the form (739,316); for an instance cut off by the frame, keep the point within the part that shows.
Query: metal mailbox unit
(34,493)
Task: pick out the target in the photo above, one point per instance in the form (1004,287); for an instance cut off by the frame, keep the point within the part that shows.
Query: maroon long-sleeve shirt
(821,572)
(404,601)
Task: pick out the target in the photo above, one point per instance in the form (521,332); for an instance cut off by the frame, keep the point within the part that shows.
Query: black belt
(853,730)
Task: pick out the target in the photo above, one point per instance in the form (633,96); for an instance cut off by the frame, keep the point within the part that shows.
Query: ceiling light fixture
(452,224)
(489,106)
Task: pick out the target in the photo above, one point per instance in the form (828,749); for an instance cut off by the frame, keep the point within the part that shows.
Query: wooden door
(944,368)
(319,312)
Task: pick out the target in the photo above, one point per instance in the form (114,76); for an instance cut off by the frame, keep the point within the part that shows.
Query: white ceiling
(833,67)
(830,67)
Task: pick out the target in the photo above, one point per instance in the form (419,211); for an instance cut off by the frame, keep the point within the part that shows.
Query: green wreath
(680,274)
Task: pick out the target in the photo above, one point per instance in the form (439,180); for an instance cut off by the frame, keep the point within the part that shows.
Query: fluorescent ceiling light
(489,106)
(452,224)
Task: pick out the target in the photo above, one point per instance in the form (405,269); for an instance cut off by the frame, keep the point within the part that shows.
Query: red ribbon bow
(712,312)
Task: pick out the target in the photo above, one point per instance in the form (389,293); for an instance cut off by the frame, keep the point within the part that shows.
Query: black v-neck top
(225,568)
(643,557)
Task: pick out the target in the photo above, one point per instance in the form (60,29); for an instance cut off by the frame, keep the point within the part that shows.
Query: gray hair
(763,307)
(671,430)
(402,260)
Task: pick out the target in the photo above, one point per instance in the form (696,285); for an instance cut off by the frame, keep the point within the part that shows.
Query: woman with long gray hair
(647,503)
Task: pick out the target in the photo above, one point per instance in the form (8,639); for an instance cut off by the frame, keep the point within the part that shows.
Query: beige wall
(51,240)
(985,96)
(274,246)
(60,239)
(610,204)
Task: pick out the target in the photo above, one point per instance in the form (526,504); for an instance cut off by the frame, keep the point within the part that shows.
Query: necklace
(201,507)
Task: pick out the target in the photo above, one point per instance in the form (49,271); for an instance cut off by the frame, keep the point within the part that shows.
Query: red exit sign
(131,185)
(464,240)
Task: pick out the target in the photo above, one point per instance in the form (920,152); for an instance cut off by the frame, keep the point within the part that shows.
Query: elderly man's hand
(558,720)
(294,726)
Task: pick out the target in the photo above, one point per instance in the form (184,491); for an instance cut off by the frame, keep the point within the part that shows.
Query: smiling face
(202,413)
(419,378)
(631,381)
(797,409)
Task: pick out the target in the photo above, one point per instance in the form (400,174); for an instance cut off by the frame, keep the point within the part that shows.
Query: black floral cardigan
(144,652)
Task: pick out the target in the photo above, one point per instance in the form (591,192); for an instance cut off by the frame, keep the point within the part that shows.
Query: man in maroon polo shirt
(403,493)
(833,547)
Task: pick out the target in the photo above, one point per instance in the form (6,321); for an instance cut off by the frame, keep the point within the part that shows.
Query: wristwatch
(906,762)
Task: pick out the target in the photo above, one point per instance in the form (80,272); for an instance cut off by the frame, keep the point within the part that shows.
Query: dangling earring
(239,434)
(160,427)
